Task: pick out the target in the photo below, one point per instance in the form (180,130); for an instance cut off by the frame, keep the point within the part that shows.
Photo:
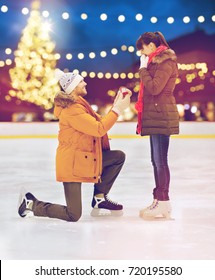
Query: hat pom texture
(58,74)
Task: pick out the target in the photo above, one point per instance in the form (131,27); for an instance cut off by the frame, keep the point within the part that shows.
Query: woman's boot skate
(160,210)
(146,208)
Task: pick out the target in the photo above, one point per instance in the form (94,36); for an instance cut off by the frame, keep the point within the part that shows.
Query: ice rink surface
(30,164)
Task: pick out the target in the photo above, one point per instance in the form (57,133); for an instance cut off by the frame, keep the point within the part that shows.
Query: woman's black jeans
(159,156)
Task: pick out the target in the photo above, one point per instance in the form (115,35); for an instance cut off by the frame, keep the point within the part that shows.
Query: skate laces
(156,205)
(153,205)
(111,201)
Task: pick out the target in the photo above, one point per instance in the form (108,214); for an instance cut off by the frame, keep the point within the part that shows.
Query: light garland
(103,17)
(114,51)
(103,54)
(91,54)
(121,18)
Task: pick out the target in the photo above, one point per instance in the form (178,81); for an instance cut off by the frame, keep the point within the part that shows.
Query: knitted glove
(121,103)
(143,61)
(125,91)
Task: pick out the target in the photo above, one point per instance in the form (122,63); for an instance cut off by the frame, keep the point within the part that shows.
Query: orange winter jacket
(82,137)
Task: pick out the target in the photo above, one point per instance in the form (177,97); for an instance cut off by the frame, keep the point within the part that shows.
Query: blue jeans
(159,156)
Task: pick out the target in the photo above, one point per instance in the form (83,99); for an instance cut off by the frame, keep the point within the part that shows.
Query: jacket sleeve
(82,121)
(156,84)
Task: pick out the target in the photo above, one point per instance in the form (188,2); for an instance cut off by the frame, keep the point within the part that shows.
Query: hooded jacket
(82,137)
(160,114)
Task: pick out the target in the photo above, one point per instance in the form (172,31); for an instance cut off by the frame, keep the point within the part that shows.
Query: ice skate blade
(106,213)
(21,196)
(29,214)
(156,218)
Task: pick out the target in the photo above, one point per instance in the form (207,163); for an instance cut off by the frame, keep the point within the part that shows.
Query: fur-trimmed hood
(165,55)
(62,101)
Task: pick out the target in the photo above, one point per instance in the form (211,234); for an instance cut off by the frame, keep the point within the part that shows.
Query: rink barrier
(121,130)
(110,136)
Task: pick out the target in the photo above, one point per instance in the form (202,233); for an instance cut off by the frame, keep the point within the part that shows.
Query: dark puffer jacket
(160,114)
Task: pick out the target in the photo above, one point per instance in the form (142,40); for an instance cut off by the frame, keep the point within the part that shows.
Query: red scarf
(139,106)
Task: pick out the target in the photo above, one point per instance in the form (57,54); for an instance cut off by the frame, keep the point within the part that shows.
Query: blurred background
(97,39)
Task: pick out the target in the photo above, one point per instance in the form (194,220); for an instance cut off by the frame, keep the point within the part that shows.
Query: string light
(25,11)
(100,75)
(170,20)
(8,61)
(92,55)
(80,56)
(108,75)
(186,19)
(116,75)
(114,51)
(84,74)
(45,14)
(4,8)
(103,17)
(131,49)
(8,51)
(121,18)
(68,56)
(153,19)
(139,17)
(92,74)
(201,19)
(103,54)
(124,48)
(84,16)
(65,15)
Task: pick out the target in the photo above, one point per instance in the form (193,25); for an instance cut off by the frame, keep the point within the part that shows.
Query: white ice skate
(146,208)
(160,210)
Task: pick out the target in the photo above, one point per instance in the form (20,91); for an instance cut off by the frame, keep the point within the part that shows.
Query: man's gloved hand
(124,91)
(121,102)
(143,61)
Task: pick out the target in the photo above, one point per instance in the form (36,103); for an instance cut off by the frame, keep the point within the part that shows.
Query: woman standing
(157,113)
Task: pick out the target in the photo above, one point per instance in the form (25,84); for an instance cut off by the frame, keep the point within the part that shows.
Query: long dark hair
(155,37)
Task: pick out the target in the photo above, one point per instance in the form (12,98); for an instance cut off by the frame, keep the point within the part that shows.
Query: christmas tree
(32,78)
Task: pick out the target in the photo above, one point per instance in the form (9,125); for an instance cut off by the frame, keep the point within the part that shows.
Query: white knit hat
(68,81)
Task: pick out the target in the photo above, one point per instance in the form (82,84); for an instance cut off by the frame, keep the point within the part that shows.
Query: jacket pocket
(84,164)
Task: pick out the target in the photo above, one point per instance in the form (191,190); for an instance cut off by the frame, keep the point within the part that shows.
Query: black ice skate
(25,205)
(103,206)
